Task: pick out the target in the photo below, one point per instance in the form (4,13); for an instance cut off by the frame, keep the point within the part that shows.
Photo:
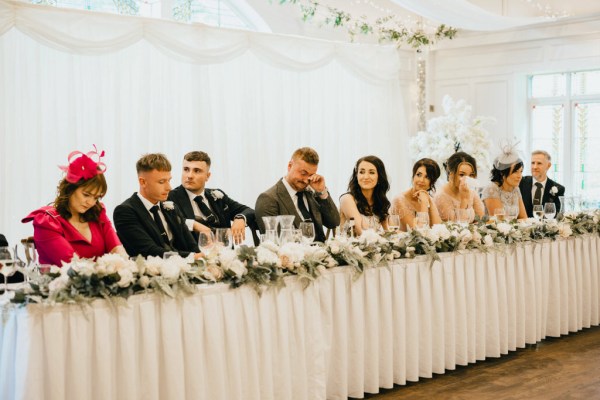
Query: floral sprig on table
(115,278)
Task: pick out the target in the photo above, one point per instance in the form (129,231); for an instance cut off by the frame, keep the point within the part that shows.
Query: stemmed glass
(308,232)
(223,237)
(512,212)
(206,242)
(7,267)
(393,221)
(549,210)
(499,213)
(538,212)
(422,219)
(463,216)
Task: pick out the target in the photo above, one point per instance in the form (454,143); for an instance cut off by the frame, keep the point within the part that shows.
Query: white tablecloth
(341,336)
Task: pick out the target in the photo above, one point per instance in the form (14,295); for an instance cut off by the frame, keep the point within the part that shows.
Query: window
(565,121)
(221,13)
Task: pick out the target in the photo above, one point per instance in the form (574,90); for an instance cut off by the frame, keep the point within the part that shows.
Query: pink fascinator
(83,166)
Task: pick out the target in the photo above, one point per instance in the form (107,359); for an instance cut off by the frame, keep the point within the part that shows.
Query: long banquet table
(341,336)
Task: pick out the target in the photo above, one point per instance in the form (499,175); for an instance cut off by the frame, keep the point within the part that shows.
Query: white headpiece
(507,157)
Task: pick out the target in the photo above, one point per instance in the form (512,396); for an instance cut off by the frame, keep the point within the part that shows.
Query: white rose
(238,268)
(488,241)
(58,283)
(170,268)
(153,265)
(504,228)
(144,281)
(126,277)
(266,256)
(564,230)
(441,230)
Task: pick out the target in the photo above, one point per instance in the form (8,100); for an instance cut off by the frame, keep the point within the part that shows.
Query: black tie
(302,206)
(210,218)
(159,224)
(537,196)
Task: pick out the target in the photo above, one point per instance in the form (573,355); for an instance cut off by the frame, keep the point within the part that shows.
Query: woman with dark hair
(425,173)
(77,223)
(456,194)
(366,196)
(503,192)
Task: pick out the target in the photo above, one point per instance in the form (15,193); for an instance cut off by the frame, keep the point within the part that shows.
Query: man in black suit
(146,223)
(206,209)
(538,189)
(301,193)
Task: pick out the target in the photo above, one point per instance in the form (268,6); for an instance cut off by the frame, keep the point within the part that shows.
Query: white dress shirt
(292,193)
(148,204)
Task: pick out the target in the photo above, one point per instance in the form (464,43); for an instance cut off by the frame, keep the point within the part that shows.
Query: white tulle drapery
(71,79)
(463,14)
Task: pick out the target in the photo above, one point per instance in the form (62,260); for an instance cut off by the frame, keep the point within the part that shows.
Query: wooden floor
(557,368)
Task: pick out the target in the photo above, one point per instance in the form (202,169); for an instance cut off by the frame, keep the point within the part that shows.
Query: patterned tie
(302,207)
(210,218)
(159,224)
(537,196)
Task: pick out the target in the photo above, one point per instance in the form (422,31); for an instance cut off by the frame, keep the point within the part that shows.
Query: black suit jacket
(277,201)
(140,235)
(526,186)
(222,206)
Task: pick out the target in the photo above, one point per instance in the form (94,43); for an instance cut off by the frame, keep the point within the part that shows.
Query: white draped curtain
(70,79)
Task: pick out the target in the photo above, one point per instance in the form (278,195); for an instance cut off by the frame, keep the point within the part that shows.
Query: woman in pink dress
(456,194)
(77,222)
(425,173)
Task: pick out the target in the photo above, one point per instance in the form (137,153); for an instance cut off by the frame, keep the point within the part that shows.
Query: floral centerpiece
(451,132)
(115,278)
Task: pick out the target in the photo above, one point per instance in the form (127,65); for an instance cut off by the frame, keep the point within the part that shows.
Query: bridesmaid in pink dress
(418,199)
(77,222)
(456,194)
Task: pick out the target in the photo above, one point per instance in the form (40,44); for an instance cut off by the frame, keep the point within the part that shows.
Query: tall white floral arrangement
(454,131)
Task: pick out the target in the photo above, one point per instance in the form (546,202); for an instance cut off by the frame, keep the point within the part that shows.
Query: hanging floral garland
(387,29)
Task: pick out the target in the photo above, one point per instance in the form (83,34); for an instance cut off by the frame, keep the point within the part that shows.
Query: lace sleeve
(478,206)
(491,191)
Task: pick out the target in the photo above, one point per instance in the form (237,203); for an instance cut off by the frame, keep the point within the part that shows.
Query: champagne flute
(538,212)
(308,232)
(550,210)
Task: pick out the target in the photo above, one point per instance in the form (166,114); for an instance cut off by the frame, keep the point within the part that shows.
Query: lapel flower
(216,194)
(553,190)
(168,205)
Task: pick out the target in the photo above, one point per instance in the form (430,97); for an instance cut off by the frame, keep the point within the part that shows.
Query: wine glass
(512,212)
(7,267)
(393,221)
(550,210)
(308,232)
(499,213)
(538,212)
(206,241)
(421,219)
(223,237)
(463,216)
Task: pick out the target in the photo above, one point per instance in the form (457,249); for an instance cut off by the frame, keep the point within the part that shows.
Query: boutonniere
(168,205)
(553,190)
(216,194)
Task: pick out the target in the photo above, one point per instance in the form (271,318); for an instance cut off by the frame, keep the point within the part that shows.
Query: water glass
(549,210)
(393,221)
(223,237)
(286,236)
(271,223)
(308,232)
(286,221)
(422,220)
(538,212)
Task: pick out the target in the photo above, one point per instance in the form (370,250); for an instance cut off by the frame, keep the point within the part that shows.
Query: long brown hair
(65,190)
